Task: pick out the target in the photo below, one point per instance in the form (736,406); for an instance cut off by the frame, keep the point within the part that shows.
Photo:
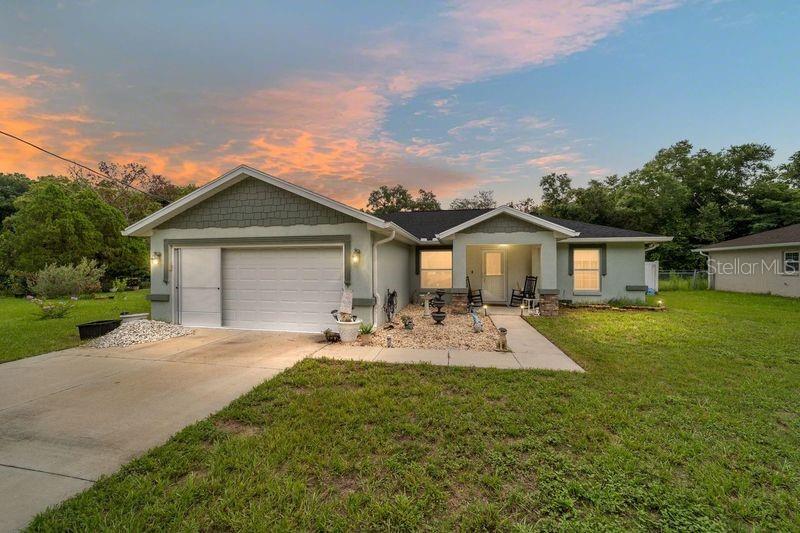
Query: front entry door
(494,276)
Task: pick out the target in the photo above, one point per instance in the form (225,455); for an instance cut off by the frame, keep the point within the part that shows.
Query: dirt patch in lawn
(455,333)
(236,427)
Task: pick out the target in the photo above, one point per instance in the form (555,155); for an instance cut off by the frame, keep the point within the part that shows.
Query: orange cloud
(326,132)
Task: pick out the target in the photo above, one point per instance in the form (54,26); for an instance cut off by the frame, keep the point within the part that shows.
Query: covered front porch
(497,269)
(498,263)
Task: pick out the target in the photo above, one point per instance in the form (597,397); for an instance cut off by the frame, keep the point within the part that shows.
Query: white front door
(281,289)
(493,284)
(198,287)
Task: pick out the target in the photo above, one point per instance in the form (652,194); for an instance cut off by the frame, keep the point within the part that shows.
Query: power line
(93,171)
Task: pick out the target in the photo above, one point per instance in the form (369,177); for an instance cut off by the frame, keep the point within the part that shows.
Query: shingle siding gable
(252,202)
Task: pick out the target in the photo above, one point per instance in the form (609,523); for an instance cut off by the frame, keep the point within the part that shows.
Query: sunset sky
(343,97)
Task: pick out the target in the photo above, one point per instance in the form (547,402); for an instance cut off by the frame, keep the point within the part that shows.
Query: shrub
(56,281)
(53,308)
(627,302)
(365,328)
(119,285)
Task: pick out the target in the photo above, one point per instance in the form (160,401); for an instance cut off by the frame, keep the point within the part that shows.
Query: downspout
(375,275)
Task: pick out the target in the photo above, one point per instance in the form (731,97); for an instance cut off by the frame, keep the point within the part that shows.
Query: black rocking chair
(528,291)
(474,298)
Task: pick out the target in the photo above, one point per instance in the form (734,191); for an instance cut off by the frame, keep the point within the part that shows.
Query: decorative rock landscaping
(138,332)
(455,332)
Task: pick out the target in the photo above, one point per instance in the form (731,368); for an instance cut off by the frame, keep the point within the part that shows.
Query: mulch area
(456,332)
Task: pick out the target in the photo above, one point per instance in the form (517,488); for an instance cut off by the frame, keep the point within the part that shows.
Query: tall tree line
(698,197)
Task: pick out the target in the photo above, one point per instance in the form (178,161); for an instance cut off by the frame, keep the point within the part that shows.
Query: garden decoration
(390,307)
(408,322)
(349,324)
(438,303)
(427,304)
(502,343)
(477,324)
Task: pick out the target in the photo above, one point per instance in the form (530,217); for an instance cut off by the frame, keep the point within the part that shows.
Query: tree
(482,200)
(697,196)
(61,222)
(385,200)
(556,193)
(131,188)
(528,205)
(11,186)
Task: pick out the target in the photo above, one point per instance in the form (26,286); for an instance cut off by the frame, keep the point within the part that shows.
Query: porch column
(459,264)
(549,265)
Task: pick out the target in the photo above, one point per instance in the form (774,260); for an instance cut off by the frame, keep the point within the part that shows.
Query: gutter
(375,275)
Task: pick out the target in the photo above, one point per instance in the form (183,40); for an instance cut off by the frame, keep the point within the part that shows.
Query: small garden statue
(502,344)
(390,307)
(438,303)
(408,322)
(477,324)
(427,304)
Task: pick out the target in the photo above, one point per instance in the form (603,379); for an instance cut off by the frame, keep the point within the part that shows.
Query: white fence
(651,275)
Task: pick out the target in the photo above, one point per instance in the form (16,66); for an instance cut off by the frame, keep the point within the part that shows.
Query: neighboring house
(249,250)
(765,263)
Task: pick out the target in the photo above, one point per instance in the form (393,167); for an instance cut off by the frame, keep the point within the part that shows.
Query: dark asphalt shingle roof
(788,234)
(426,224)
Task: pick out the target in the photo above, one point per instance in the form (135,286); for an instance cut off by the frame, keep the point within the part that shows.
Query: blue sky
(344,97)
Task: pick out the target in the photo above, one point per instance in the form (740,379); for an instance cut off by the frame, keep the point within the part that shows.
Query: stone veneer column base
(548,303)
(459,302)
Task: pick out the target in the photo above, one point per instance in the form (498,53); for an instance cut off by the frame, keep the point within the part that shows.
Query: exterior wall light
(155,258)
(355,257)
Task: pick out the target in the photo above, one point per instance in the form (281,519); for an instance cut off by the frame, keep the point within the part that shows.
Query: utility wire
(93,171)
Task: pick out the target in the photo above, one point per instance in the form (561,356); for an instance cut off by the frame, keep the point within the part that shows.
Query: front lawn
(23,333)
(685,420)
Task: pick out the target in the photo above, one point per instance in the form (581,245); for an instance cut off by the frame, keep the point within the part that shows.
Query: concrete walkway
(530,350)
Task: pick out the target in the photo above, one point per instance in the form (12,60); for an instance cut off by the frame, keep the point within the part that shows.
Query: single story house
(764,263)
(249,250)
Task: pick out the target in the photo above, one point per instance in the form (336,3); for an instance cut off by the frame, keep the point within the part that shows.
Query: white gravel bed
(456,332)
(138,332)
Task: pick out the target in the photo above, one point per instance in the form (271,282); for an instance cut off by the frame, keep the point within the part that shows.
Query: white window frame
(422,270)
(796,271)
(599,271)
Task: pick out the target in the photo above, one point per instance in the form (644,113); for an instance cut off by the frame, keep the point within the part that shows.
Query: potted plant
(349,325)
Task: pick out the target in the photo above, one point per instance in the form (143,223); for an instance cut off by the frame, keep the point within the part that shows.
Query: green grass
(686,420)
(684,283)
(23,333)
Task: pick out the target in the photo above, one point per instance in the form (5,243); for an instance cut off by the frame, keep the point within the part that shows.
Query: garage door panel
(295,288)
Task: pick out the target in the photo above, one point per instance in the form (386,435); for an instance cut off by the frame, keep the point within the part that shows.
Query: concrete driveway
(68,417)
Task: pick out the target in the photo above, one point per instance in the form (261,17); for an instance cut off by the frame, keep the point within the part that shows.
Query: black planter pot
(98,328)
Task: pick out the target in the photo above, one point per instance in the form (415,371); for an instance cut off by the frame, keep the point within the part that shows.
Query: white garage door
(281,289)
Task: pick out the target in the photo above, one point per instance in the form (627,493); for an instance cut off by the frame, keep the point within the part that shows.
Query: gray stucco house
(764,263)
(249,250)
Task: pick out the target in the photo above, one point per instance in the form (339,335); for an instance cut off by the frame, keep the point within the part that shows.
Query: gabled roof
(143,227)
(506,210)
(786,236)
(429,224)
